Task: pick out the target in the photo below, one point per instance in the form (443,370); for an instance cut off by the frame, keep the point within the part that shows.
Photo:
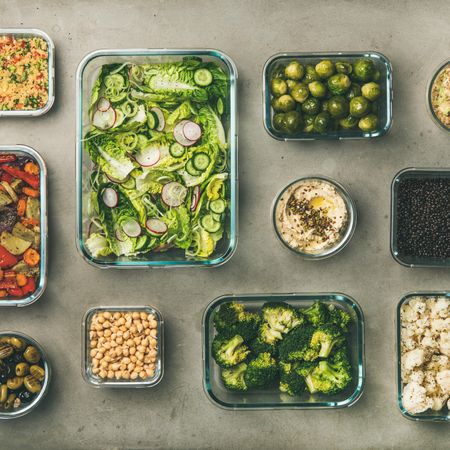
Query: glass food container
(433,416)
(25,151)
(436,74)
(408,173)
(96,381)
(385,101)
(22,411)
(273,398)
(86,75)
(31,33)
(347,233)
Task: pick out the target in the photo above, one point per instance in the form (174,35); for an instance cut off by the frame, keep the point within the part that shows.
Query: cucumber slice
(219,106)
(209,224)
(203,77)
(217,217)
(152,120)
(177,150)
(129,184)
(191,170)
(201,161)
(218,206)
(140,242)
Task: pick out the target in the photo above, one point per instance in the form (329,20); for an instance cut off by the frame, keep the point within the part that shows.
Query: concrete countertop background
(176,414)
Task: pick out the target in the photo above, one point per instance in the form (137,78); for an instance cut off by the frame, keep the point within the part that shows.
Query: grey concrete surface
(177,414)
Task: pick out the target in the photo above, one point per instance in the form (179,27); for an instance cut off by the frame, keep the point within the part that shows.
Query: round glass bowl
(347,231)
(436,74)
(24,409)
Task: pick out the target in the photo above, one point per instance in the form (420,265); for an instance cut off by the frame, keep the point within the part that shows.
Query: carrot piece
(30,222)
(31,168)
(31,257)
(30,192)
(21,207)
(21,279)
(1,274)
(3,293)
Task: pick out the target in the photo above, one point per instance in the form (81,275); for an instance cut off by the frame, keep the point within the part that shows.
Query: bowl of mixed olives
(327,96)
(24,374)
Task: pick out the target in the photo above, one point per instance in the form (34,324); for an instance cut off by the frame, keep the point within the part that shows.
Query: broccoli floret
(291,382)
(340,357)
(266,340)
(281,317)
(229,352)
(233,378)
(328,378)
(325,338)
(339,317)
(296,346)
(261,371)
(317,314)
(231,319)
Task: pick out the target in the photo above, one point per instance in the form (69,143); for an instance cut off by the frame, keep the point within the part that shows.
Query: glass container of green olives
(24,374)
(309,96)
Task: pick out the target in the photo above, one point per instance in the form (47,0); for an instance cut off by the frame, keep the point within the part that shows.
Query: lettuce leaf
(98,245)
(184,111)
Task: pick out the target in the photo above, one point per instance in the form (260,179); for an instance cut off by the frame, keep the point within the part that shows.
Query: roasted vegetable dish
(160,159)
(296,350)
(23,73)
(20,226)
(22,372)
(325,97)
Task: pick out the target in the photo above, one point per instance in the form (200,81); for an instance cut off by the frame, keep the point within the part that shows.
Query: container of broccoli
(283,351)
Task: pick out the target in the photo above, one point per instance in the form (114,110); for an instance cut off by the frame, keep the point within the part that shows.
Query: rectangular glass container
(430,416)
(86,75)
(96,381)
(413,261)
(23,150)
(385,101)
(273,398)
(30,33)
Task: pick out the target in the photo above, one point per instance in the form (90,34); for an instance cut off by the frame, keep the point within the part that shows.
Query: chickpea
(131,366)
(101,319)
(147,331)
(153,342)
(107,315)
(135,315)
(102,374)
(153,332)
(117,315)
(134,376)
(107,333)
(110,374)
(153,324)
(96,370)
(150,373)
(125,375)
(143,316)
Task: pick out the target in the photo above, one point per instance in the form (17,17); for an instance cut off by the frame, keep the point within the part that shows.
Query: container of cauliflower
(423,344)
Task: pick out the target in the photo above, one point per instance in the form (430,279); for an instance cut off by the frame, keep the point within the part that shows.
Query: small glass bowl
(436,73)
(351,221)
(96,381)
(427,416)
(22,411)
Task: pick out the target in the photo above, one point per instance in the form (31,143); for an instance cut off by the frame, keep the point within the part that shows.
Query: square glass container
(385,101)
(408,173)
(23,150)
(86,75)
(96,381)
(427,416)
(31,33)
(20,412)
(273,398)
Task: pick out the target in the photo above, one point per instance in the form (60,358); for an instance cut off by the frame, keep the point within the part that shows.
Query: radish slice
(132,228)
(156,227)
(195,198)
(161,120)
(120,235)
(148,156)
(179,136)
(192,131)
(173,194)
(103,104)
(103,120)
(110,197)
(162,248)
(115,180)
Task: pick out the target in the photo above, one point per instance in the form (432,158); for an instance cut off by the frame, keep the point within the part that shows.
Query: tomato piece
(6,258)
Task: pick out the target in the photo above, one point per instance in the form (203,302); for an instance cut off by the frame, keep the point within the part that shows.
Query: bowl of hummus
(439,96)
(314,216)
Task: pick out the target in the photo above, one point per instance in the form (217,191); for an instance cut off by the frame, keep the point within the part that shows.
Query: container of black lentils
(420,217)
(24,374)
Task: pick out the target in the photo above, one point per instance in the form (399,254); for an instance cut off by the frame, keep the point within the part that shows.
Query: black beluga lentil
(423,217)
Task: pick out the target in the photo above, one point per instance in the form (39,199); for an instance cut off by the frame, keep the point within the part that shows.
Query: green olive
(309,123)
(22,369)
(324,106)
(32,384)
(3,393)
(343,67)
(338,107)
(359,106)
(32,355)
(368,123)
(10,401)
(291,83)
(300,92)
(284,103)
(339,84)
(322,122)
(311,106)
(6,350)
(325,69)
(317,89)
(310,74)
(294,70)
(371,91)
(279,122)
(364,69)
(17,343)
(15,383)
(278,87)
(293,120)
(349,122)
(38,372)
(354,91)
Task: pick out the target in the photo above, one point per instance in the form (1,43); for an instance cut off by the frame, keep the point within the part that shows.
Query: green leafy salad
(159,153)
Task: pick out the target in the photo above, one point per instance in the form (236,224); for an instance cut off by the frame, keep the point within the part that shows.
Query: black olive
(26,397)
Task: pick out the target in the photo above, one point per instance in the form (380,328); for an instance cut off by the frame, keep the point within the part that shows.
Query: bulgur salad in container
(439,96)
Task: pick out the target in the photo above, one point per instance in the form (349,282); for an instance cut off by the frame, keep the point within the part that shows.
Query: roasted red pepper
(7,158)
(32,180)
(8,283)
(15,292)
(30,287)
(7,177)
(6,258)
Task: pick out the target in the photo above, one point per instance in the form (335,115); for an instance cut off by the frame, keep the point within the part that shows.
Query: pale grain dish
(440,96)
(123,345)
(23,73)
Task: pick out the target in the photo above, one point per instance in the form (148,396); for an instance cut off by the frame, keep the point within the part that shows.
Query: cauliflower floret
(444,344)
(414,398)
(438,325)
(409,344)
(408,314)
(443,380)
(413,358)
(429,341)
(438,402)
(418,305)
(416,376)
(429,383)
(439,307)
(438,362)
